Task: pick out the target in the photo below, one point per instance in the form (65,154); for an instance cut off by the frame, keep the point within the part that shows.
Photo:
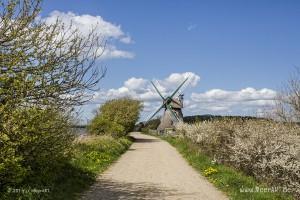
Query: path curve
(152,169)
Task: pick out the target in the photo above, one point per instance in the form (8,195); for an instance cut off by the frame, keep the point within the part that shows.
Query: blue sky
(237,48)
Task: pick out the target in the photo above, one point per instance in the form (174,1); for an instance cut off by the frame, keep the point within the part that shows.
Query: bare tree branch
(45,64)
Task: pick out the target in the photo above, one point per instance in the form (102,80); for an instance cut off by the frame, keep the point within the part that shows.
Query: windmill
(172,108)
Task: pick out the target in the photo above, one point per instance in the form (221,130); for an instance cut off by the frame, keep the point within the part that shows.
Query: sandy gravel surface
(152,169)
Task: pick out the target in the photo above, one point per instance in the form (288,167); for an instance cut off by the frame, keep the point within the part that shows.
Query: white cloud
(175,79)
(85,23)
(142,89)
(247,101)
(126,40)
(136,84)
(244,95)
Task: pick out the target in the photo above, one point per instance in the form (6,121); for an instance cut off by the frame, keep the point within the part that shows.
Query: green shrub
(34,142)
(101,126)
(116,117)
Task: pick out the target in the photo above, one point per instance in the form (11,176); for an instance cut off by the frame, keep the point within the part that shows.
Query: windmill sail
(172,113)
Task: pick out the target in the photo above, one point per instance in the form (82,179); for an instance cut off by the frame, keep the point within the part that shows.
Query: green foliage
(44,70)
(34,141)
(116,117)
(90,157)
(102,126)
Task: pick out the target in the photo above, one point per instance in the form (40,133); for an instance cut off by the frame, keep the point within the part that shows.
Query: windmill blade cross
(170,109)
(157,91)
(175,102)
(187,83)
(155,112)
(172,95)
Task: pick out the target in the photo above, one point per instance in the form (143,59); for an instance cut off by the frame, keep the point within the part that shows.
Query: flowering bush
(265,149)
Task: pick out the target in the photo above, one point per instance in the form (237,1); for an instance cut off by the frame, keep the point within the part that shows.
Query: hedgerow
(265,149)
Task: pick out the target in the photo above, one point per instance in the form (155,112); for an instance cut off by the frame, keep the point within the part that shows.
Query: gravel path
(152,169)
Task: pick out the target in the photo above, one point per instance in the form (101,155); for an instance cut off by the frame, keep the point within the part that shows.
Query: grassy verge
(227,179)
(91,156)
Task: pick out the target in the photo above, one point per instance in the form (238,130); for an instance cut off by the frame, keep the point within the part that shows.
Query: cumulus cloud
(245,95)
(142,89)
(171,82)
(176,78)
(246,101)
(136,84)
(85,23)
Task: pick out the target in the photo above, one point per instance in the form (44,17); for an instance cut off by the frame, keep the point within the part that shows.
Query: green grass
(90,158)
(227,179)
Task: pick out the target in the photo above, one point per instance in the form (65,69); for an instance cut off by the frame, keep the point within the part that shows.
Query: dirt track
(152,169)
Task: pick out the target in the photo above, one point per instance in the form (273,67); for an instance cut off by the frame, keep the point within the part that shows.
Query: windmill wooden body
(172,109)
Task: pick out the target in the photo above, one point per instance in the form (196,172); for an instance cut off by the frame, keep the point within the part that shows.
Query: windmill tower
(172,108)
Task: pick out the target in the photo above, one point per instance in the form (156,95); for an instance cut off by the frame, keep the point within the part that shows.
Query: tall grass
(266,150)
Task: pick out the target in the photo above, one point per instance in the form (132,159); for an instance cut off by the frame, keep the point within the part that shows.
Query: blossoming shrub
(265,149)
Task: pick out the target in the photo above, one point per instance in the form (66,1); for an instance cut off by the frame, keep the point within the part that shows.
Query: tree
(44,64)
(117,116)
(288,100)
(45,70)
(102,126)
